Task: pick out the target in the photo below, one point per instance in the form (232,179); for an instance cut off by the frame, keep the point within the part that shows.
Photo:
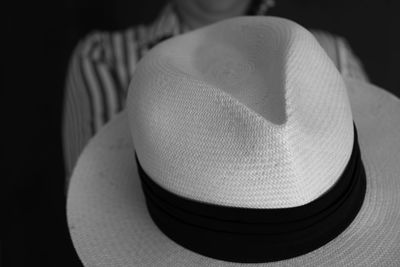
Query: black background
(38,41)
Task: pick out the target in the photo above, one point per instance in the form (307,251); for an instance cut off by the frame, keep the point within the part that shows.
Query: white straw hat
(243,142)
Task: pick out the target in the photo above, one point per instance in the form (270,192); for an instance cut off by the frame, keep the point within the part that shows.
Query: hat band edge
(258,235)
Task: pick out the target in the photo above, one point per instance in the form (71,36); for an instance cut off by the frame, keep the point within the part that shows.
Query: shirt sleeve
(350,64)
(94,93)
(339,51)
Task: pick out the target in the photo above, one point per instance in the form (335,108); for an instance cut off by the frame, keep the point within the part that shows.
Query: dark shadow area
(38,42)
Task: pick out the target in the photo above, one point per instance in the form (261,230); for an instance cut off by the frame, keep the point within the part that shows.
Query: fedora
(241,143)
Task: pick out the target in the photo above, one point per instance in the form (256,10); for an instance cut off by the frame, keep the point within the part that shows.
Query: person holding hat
(241,144)
(103,64)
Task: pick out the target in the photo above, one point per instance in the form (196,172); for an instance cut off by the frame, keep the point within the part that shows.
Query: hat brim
(110,225)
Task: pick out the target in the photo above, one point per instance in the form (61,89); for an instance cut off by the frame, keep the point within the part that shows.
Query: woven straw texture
(199,136)
(248,112)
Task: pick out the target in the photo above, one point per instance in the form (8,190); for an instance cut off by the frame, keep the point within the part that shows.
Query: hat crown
(249,112)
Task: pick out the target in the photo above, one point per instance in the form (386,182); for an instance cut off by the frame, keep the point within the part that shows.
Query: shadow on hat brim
(110,226)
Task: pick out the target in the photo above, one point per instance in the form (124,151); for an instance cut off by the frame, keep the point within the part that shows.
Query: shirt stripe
(123,60)
(96,93)
(110,90)
(133,51)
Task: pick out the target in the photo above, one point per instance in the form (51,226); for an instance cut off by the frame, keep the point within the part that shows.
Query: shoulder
(327,39)
(324,36)
(331,43)
(115,47)
(342,55)
(102,46)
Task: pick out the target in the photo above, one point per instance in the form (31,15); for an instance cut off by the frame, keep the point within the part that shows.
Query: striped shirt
(102,65)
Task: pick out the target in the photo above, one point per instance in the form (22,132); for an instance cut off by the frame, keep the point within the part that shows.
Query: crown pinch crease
(258,99)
